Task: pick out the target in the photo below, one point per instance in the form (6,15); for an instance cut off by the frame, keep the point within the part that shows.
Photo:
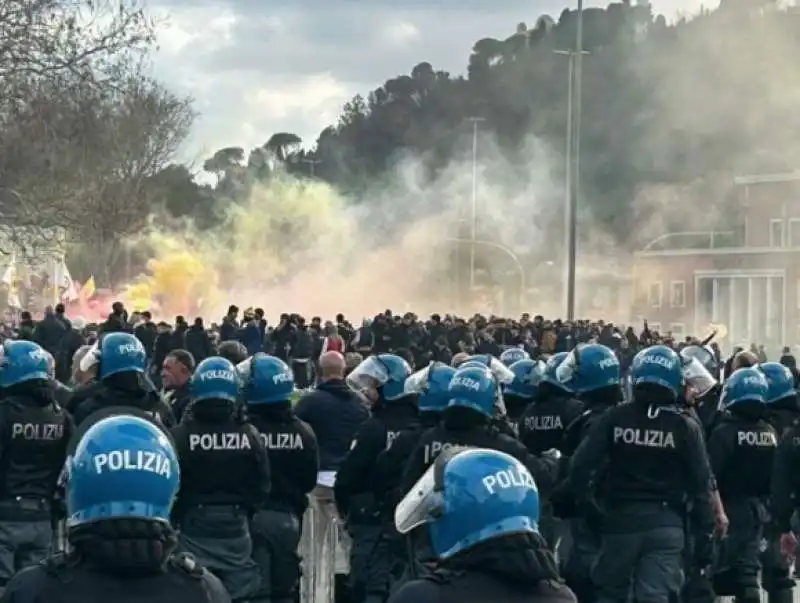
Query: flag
(10,273)
(88,289)
(65,283)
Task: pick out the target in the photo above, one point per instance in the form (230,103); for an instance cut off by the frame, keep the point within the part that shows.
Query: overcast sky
(256,67)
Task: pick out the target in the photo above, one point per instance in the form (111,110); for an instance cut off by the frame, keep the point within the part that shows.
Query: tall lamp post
(474,217)
(573,152)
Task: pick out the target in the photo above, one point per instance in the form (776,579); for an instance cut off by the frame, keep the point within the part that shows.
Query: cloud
(255,68)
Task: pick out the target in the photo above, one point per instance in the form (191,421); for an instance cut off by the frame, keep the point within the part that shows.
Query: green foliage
(687,103)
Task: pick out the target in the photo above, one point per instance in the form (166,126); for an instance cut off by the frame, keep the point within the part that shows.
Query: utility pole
(573,151)
(474,222)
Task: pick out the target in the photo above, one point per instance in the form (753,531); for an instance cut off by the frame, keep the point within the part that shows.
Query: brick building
(747,279)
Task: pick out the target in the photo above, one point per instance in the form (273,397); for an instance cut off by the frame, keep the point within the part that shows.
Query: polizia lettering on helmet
(282,378)
(133,460)
(514,477)
(752,380)
(128,348)
(37,355)
(608,362)
(221,375)
(659,361)
(467,383)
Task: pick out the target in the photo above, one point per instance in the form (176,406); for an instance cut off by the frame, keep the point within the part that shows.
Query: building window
(677,294)
(794,232)
(677,329)
(654,294)
(776,233)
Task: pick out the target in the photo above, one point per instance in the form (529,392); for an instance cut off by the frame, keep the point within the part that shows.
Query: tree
(280,145)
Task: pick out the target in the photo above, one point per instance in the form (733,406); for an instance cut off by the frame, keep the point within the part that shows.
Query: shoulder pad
(187,563)
(442,576)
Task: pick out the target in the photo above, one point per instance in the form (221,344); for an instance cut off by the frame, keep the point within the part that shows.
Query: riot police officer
(782,412)
(522,390)
(544,422)
(373,567)
(34,431)
(476,511)
(741,450)
(643,461)
(542,428)
(467,421)
(119,359)
(704,399)
(592,372)
(225,477)
(121,484)
(512,355)
(268,384)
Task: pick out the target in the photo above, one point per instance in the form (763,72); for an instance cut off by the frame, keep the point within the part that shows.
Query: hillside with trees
(671,111)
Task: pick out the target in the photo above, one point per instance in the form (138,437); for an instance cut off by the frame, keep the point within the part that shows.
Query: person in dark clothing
(146,332)
(62,316)
(26,326)
(70,343)
(475,512)
(117,321)
(49,332)
(301,355)
(333,410)
(229,329)
(175,375)
(233,351)
(198,343)
(161,347)
(178,339)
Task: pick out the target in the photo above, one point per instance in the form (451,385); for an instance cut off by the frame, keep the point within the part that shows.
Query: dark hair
(184,357)
(60,309)
(233,351)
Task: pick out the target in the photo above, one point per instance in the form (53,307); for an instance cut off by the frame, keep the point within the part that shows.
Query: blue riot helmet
(474,387)
(469,496)
(432,385)
(704,355)
(501,372)
(527,376)
(115,353)
(661,366)
(512,355)
(214,379)
(23,361)
(550,369)
(381,377)
(265,379)
(696,374)
(589,367)
(780,381)
(745,385)
(123,467)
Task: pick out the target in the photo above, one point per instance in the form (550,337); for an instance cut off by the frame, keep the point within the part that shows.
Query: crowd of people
(403,460)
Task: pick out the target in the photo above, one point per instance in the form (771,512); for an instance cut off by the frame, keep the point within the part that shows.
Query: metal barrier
(324,548)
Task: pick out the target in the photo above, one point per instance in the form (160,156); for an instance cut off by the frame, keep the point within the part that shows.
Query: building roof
(793,176)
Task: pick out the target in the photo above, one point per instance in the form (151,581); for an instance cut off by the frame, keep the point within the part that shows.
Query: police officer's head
(502,376)
(512,355)
(431,385)
(550,386)
(266,380)
(782,390)
(215,383)
(704,355)
(745,392)
(473,392)
(124,470)
(233,351)
(23,362)
(657,375)
(381,378)
(592,371)
(115,354)
(527,376)
(469,497)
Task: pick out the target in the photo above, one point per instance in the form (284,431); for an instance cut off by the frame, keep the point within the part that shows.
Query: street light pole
(474,226)
(573,150)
